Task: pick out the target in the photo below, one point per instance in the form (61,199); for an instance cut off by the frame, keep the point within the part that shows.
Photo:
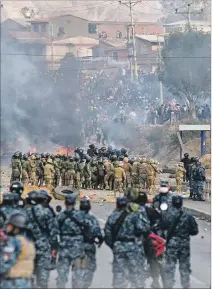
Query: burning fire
(69,151)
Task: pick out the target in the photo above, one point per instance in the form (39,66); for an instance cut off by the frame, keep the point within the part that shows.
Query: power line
(104,57)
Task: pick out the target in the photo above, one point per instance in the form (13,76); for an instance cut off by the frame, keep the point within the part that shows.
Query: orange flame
(64,151)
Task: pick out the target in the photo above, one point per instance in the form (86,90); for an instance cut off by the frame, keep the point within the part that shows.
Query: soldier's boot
(107,186)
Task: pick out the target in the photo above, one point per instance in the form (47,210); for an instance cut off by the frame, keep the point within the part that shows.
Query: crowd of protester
(107,96)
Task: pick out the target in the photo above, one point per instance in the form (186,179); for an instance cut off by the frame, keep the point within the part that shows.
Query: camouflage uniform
(94,173)
(178,247)
(128,171)
(198,177)
(191,167)
(25,169)
(135,174)
(44,232)
(57,168)
(33,171)
(71,248)
(126,251)
(180,172)
(63,170)
(142,168)
(87,175)
(100,175)
(70,173)
(16,169)
(90,248)
(109,175)
(16,266)
(119,179)
(49,175)
(150,176)
(40,171)
(162,198)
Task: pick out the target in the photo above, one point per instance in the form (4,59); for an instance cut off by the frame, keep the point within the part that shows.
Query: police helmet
(8,197)
(85,204)
(110,149)
(17,187)
(123,151)
(45,194)
(25,156)
(142,198)
(32,194)
(18,220)
(196,159)
(113,157)
(177,201)
(71,159)
(70,199)
(41,195)
(121,202)
(16,155)
(65,158)
(186,155)
(121,158)
(92,146)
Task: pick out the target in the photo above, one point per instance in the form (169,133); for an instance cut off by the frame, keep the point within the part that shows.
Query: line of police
(33,237)
(100,168)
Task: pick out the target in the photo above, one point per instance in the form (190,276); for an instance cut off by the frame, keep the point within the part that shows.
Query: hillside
(97,10)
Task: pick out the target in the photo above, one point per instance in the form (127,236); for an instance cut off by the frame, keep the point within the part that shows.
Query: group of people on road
(35,239)
(104,168)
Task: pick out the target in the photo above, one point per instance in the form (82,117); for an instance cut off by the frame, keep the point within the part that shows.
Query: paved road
(200,252)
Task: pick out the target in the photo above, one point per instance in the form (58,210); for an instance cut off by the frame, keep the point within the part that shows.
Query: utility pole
(159,58)
(189,13)
(130,4)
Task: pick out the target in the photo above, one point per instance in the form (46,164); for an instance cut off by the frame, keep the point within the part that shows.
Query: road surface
(200,255)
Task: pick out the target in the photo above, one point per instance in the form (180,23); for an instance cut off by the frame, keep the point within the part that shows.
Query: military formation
(35,238)
(104,168)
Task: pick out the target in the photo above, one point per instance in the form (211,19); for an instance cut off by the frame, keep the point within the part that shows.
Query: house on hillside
(13,25)
(62,26)
(119,30)
(80,47)
(181,25)
(115,49)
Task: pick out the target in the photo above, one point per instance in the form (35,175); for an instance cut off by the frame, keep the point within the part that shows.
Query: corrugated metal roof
(151,38)
(114,42)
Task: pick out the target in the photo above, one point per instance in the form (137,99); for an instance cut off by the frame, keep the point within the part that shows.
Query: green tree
(185,68)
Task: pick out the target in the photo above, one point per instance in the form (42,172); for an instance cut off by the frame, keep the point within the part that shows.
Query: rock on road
(200,255)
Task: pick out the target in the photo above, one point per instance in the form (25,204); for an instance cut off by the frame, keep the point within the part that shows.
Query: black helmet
(17,219)
(177,201)
(196,159)
(110,149)
(123,151)
(121,158)
(32,194)
(142,198)
(121,202)
(44,194)
(71,159)
(113,157)
(85,204)
(25,156)
(41,194)
(103,148)
(16,155)
(42,155)
(65,158)
(186,155)
(92,146)
(70,199)
(17,187)
(8,197)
